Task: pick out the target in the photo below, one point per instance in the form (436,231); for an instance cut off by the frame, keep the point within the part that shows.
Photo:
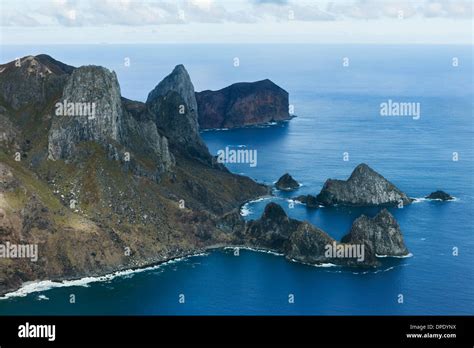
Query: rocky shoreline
(126,185)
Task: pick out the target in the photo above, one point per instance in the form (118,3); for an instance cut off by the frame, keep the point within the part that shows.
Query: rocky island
(303,242)
(287,183)
(365,187)
(440,196)
(99,183)
(242,104)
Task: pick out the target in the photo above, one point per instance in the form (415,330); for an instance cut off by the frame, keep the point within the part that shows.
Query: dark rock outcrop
(300,241)
(272,230)
(173,102)
(308,244)
(440,195)
(381,235)
(32,80)
(286,183)
(309,200)
(365,187)
(242,104)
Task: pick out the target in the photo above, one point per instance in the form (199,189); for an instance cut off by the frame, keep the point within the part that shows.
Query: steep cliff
(242,104)
(173,103)
(90,110)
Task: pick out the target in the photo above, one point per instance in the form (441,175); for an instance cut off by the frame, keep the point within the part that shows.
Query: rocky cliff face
(242,104)
(90,110)
(381,235)
(173,102)
(141,136)
(365,187)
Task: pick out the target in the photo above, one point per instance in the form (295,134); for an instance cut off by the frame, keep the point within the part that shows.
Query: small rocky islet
(380,235)
(286,183)
(440,196)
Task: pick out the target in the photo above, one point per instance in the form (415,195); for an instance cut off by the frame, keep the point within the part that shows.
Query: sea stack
(287,183)
(365,187)
(242,104)
(440,196)
(173,102)
(381,235)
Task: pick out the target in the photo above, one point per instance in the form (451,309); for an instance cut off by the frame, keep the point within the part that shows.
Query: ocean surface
(338,115)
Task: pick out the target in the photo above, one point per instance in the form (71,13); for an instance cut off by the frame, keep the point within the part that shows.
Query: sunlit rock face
(90,110)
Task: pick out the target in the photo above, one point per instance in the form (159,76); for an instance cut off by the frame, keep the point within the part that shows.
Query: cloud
(18,19)
(77,13)
(284,11)
(377,9)
(450,9)
(279,2)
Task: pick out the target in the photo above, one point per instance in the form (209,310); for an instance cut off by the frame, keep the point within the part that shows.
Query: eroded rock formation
(243,104)
(365,187)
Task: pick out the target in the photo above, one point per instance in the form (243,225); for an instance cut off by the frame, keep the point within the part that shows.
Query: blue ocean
(336,92)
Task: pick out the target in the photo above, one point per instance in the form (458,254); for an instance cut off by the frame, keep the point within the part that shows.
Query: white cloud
(159,12)
(368,21)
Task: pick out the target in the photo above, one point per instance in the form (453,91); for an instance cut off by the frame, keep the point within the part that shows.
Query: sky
(236,21)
